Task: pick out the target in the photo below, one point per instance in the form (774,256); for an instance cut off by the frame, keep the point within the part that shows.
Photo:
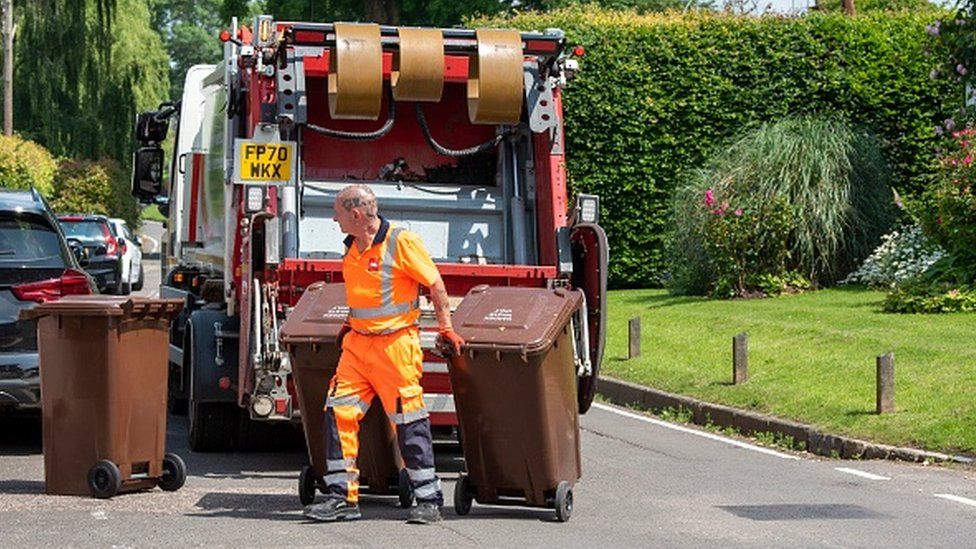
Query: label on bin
(499,315)
(336,311)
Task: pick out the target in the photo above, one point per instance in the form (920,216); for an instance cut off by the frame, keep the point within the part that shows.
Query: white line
(863,474)
(99,515)
(696,432)
(153,240)
(957,499)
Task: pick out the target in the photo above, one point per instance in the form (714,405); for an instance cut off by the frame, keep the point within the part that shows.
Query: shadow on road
(21,487)
(21,435)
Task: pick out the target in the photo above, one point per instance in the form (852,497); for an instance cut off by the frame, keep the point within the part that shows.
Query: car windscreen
(86,231)
(29,240)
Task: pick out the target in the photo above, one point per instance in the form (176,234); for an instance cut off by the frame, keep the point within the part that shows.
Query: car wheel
(139,282)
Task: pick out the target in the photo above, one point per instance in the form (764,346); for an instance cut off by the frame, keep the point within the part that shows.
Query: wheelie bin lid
(318,315)
(523,320)
(103,305)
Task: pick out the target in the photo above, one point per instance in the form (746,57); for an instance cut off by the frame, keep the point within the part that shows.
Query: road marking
(863,474)
(151,239)
(99,515)
(957,499)
(705,434)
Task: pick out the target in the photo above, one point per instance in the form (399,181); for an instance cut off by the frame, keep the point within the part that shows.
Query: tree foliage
(25,164)
(83,70)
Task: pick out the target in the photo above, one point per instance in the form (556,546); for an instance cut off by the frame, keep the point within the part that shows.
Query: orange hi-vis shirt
(382,281)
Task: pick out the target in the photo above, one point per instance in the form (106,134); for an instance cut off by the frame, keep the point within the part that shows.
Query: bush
(656,94)
(99,187)
(925,297)
(947,210)
(903,255)
(805,196)
(25,164)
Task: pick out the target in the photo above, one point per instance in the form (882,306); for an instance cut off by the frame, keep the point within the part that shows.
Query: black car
(36,265)
(100,247)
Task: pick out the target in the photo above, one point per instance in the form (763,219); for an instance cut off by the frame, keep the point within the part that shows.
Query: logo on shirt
(374,265)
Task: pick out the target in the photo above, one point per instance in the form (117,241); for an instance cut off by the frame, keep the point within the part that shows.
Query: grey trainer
(333,510)
(425,512)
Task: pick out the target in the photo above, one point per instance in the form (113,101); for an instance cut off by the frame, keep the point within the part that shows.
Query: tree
(89,66)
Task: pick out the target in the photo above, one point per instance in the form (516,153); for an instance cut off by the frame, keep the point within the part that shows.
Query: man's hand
(449,340)
(346,328)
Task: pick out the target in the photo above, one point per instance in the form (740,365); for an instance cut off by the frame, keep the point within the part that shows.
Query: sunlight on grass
(811,358)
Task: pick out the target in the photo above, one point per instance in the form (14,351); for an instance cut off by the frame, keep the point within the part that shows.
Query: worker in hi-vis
(381,355)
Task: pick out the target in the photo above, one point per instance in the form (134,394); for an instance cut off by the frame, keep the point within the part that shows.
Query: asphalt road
(646,483)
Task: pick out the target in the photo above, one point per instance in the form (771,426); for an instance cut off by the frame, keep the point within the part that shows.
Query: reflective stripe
(420,475)
(341,478)
(369,313)
(409,417)
(427,491)
(386,307)
(339,464)
(436,402)
(347,400)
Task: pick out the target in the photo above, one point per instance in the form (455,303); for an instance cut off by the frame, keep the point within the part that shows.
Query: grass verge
(811,359)
(151,213)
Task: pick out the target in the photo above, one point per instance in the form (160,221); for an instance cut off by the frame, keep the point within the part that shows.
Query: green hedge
(657,94)
(99,187)
(25,164)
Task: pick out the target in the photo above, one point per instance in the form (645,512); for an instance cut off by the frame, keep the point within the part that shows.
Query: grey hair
(359,196)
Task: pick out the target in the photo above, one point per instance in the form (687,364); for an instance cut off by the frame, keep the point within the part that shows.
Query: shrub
(927,297)
(904,254)
(656,94)
(101,187)
(806,195)
(25,164)
(947,210)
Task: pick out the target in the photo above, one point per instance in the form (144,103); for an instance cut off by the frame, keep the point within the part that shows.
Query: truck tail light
(71,282)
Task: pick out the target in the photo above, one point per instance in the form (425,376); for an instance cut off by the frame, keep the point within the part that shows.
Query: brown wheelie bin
(103,363)
(515,392)
(309,334)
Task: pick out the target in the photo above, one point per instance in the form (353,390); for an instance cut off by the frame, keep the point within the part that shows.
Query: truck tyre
(213,413)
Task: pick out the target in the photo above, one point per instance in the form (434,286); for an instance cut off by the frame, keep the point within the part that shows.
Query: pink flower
(718,211)
(709,198)
(961,69)
(738,212)
(968,160)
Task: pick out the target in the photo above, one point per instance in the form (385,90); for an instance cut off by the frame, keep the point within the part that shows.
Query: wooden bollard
(740,358)
(886,383)
(633,349)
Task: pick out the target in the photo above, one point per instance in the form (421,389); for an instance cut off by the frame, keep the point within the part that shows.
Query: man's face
(347,219)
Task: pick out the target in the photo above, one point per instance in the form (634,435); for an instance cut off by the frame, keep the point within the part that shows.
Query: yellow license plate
(265,162)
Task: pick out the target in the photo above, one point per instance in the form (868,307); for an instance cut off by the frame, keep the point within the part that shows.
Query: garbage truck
(459,132)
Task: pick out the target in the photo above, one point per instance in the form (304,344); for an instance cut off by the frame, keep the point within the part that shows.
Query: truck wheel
(405,491)
(174,473)
(213,423)
(462,495)
(306,485)
(142,278)
(104,479)
(563,501)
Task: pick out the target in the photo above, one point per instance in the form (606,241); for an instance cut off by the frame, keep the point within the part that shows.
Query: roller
(495,78)
(356,72)
(418,67)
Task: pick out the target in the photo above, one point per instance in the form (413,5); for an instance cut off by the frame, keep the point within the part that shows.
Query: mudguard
(210,353)
(590,267)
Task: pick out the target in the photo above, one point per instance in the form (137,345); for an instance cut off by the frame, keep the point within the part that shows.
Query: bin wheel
(462,496)
(174,473)
(306,485)
(406,492)
(104,479)
(564,501)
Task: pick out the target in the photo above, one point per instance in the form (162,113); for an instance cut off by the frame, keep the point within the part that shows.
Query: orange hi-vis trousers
(388,366)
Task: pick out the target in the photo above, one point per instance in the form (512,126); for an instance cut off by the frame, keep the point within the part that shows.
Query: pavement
(645,483)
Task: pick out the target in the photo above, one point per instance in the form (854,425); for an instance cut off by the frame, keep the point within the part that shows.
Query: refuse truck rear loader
(458,132)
